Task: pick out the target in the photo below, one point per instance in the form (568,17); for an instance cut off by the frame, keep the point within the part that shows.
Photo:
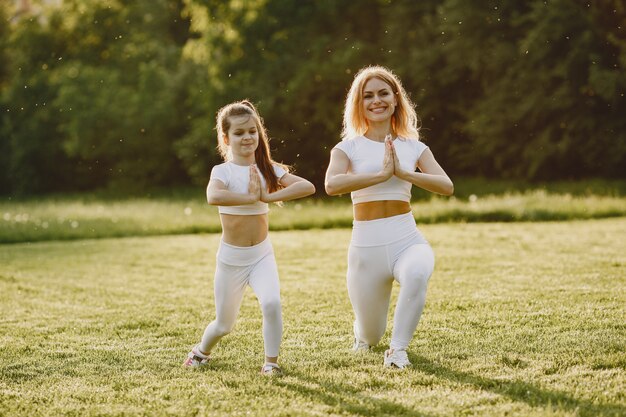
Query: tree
(29,120)
(97,96)
(5,158)
(294,59)
(100,93)
(125,87)
(527,90)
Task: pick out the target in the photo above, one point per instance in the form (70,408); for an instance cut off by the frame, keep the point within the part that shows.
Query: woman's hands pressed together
(391,163)
(339,180)
(431,176)
(388,159)
(397,168)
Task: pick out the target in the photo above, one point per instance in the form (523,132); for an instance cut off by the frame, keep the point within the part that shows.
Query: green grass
(85,216)
(522,319)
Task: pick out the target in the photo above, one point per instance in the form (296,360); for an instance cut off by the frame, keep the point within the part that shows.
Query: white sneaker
(397,358)
(196,359)
(358,346)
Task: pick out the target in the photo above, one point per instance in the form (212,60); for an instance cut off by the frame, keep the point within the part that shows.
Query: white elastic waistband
(243,255)
(384,231)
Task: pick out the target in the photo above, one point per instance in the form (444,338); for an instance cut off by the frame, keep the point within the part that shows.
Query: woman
(376,162)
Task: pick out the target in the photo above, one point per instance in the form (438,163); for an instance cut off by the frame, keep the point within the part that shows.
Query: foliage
(36,161)
(294,59)
(97,97)
(4,80)
(562,97)
(521,90)
(86,216)
(123,94)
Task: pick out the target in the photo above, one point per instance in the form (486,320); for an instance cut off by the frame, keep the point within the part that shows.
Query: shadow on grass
(344,397)
(520,391)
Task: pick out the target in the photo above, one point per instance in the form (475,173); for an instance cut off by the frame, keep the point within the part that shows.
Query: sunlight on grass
(521,319)
(76,218)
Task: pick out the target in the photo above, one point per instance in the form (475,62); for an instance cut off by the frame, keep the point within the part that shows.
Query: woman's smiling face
(379,101)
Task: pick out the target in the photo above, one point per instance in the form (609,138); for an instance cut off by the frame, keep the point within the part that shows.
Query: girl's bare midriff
(373,210)
(244,230)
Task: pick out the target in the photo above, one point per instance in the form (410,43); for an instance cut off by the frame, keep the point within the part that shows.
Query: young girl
(242,187)
(376,161)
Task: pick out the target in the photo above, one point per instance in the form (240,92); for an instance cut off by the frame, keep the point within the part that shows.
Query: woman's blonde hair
(404,121)
(262,156)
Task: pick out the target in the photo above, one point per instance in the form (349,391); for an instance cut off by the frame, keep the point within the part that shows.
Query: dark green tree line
(124,94)
(96,95)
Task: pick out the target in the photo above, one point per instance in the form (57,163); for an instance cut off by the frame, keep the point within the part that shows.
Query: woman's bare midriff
(244,230)
(373,210)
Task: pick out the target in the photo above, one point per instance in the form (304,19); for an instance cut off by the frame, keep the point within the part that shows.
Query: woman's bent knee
(372,337)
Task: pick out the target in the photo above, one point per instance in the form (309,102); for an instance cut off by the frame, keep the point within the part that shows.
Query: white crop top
(236,178)
(366,156)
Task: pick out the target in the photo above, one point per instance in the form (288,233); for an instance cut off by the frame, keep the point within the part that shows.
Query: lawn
(85,216)
(522,319)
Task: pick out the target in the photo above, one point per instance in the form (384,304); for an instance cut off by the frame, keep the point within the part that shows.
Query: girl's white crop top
(366,156)
(236,178)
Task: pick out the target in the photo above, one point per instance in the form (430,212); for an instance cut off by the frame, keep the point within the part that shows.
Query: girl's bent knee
(271,307)
(222,329)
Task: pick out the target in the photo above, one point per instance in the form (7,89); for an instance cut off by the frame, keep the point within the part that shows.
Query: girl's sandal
(271,369)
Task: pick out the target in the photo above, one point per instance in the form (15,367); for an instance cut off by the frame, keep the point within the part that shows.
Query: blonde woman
(376,162)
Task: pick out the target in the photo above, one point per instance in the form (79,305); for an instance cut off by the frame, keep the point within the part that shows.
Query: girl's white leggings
(237,267)
(380,252)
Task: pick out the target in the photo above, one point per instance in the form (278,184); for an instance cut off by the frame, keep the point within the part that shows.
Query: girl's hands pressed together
(264,195)
(254,187)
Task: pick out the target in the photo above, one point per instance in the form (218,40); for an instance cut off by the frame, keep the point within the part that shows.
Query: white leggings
(237,267)
(380,251)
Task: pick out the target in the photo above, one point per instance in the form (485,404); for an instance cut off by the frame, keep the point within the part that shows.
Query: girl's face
(379,101)
(242,137)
